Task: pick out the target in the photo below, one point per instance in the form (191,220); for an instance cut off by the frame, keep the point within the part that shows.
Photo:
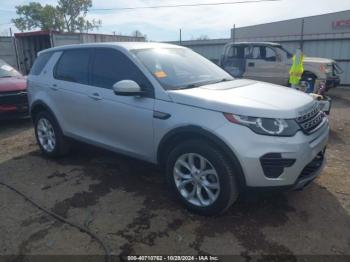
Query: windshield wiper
(189,86)
(223,80)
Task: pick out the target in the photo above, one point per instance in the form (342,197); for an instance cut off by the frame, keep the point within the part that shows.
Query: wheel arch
(181,134)
(309,73)
(39,106)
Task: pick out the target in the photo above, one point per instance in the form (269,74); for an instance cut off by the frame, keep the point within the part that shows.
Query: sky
(164,24)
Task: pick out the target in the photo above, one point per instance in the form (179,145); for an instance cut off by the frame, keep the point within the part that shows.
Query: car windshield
(180,68)
(7,71)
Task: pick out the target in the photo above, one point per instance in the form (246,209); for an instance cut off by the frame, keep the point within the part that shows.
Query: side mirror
(127,88)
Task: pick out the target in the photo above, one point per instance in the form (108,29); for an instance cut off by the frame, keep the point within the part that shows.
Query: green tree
(68,15)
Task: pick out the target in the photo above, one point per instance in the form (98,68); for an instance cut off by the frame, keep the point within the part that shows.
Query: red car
(13,93)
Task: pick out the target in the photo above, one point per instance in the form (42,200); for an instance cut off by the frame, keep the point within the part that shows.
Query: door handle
(251,64)
(54,87)
(95,96)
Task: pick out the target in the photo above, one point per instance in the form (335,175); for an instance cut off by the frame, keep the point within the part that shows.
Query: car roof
(121,45)
(255,43)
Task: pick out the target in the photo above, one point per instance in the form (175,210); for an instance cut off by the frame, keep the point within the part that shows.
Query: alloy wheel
(46,135)
(196,179)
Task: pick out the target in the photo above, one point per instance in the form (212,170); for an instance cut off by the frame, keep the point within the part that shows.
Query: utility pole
(233,33)
(16,49)
(180,36)
(302,35)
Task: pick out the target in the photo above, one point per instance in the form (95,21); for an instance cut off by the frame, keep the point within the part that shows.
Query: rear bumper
(13,105)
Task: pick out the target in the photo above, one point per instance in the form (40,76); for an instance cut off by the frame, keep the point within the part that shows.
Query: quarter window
(40,63)
(110,66)
(73,66)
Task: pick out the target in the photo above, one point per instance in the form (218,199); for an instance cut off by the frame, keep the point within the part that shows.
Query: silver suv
(165,104)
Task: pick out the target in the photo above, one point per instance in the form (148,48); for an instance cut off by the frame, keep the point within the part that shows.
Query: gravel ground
(126,202)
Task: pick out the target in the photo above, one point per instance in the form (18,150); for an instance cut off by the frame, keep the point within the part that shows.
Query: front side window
(270,54)
(73,66)
(111,66)
(179,68)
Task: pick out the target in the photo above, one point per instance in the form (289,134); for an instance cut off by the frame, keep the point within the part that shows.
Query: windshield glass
(289,55)
(7,71)
(178,68)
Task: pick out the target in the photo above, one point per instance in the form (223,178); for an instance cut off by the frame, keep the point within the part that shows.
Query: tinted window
(110,66)
(73,66)
(40,63)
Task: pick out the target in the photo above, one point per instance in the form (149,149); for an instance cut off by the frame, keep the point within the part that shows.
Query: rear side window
(73,66)
(110,66)
(239,52)
(40,63)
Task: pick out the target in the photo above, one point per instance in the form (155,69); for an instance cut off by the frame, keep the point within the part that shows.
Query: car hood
(318,60)
(246,97)
(9,84)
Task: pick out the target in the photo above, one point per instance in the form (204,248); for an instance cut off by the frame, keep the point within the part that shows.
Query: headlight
(265,126)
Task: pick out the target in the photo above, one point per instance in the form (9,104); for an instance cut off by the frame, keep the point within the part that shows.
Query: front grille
(311,120)
(13,98)
(313,166)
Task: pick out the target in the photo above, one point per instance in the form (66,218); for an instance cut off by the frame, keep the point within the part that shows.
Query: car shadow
(13,126)
(306,222)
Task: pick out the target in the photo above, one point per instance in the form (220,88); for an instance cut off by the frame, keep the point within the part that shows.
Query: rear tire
(193,168)
(49,135)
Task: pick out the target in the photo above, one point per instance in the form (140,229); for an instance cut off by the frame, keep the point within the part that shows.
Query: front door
(122,123)
(265,65)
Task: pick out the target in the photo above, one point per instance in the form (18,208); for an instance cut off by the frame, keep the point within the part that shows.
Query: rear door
(234,60)
(70,85)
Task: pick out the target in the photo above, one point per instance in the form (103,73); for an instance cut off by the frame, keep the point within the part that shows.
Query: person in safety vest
(297,69)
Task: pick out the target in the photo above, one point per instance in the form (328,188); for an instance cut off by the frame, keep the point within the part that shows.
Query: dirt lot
(127,203)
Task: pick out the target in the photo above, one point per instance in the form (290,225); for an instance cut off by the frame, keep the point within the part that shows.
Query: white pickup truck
(270,62)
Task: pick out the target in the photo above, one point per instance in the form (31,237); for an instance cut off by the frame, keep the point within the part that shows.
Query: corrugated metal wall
(338,49)
(7,50)
(68,39)
(320,38)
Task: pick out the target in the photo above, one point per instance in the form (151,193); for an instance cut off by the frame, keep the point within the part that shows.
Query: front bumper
(13,105)
(332,82)
(250,147)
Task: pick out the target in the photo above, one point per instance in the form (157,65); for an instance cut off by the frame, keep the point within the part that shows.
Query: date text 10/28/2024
(172,258)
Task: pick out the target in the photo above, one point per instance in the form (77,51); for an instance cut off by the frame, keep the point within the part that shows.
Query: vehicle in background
(271,62)
(13,93)
(214,135)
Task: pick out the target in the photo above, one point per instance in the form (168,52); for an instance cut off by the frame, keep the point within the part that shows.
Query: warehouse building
(325,35)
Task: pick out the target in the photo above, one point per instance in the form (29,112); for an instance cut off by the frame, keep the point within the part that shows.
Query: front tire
(49,135)
(202,177)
